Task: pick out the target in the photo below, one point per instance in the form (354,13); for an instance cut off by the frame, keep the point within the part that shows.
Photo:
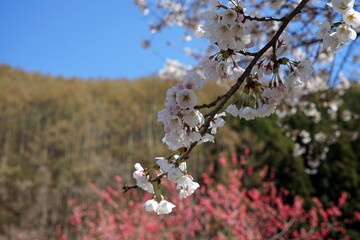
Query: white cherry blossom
(345,33)
(266,110)
(233,110)
(164,207)
(186,186)
(247,113)
(342,6)
(237,72)
(304,68)
(331,42)
(294,80)
(193,81)
(164,164)
(324,29)
(352,18)
(174,174)
(186,99)
(274,95)
(195,136)
(215,124)
(151,205)
(193,118)
(209,70)
(228,16)
(171,94)
(142,179)
(238,29)
(207,138)
(223,69)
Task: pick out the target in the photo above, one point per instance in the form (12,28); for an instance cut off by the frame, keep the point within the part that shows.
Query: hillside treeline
(59,135)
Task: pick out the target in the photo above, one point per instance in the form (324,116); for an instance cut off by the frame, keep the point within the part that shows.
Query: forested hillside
(59,135)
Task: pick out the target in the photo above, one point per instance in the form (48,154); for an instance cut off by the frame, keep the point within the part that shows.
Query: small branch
(273,57)
(247,53)
(209,105)
(307,42)
(264,19)
(158,178)
(127,188)
(186,154)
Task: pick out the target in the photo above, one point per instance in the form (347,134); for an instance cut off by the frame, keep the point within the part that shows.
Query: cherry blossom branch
(222,100)
(186,154)
(246,73)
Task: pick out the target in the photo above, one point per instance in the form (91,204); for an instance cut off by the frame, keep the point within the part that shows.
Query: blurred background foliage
(59,135)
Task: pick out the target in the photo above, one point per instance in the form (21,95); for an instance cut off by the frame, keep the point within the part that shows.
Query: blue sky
(83,38)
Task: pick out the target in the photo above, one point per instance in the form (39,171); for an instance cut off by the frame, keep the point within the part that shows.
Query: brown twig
(264,19)
(127,188)
(158,178)
(209,105)
(308,42)
(247,53)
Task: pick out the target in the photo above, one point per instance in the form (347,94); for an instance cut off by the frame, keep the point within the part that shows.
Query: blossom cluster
(176,172)
(226,28)
(182,122)
(265,87)
(344,31)
(184,182)
(269,93)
